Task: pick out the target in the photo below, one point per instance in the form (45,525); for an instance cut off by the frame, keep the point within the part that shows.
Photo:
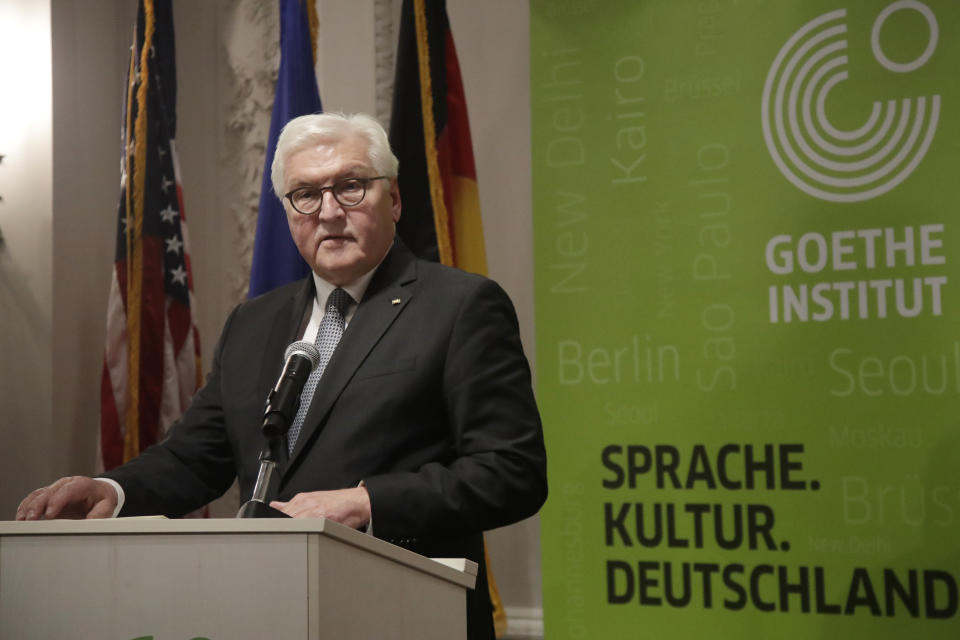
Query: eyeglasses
(348,192)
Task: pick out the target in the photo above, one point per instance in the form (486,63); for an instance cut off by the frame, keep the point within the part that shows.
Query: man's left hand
(346,506)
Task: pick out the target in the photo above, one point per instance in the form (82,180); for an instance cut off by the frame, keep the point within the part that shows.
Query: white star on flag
(173,244)
(179,275)
(166,183)
(168,214)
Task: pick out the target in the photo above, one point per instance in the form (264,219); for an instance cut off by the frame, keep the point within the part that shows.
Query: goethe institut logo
(821,159)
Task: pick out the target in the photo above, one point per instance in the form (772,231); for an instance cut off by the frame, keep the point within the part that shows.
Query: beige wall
(26,218)
(55,271)
(493,48)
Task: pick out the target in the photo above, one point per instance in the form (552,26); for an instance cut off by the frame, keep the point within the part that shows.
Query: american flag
(151,362)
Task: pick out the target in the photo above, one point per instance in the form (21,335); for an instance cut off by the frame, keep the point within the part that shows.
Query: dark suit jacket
(427,400)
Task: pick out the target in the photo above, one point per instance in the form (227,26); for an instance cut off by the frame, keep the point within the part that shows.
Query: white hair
(331,128)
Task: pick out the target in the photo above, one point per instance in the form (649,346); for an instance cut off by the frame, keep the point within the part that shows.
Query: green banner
(747,351)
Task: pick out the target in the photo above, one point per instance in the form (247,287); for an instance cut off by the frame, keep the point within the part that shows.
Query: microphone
(282,403)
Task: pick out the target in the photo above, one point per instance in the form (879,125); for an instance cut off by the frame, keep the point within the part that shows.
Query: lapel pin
(395,301)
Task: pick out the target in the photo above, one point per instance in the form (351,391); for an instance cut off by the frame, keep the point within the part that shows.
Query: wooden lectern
(227,579)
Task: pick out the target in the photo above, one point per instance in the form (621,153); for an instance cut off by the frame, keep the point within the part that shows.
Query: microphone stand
(256,506)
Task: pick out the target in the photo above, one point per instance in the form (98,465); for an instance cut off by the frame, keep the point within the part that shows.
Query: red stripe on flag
(111,435)
(458,123)
(179,324)
(152,320)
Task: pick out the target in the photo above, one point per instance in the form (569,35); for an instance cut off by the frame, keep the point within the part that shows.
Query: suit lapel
(384,300)
(284,330)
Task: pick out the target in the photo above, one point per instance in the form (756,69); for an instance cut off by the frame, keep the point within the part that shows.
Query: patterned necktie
(328,335)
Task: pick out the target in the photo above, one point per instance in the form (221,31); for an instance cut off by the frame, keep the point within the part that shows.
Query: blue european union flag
(276,260)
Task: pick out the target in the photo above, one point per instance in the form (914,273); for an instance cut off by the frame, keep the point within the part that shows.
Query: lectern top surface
(461,572)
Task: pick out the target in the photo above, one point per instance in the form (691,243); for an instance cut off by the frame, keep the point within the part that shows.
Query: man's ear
(395,199)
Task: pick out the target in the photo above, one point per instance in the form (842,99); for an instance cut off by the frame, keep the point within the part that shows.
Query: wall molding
(251,41)
(524,623)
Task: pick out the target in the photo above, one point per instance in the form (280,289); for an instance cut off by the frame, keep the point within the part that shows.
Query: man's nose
(329,207)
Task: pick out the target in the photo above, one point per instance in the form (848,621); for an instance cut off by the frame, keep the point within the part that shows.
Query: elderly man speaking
(422,423)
